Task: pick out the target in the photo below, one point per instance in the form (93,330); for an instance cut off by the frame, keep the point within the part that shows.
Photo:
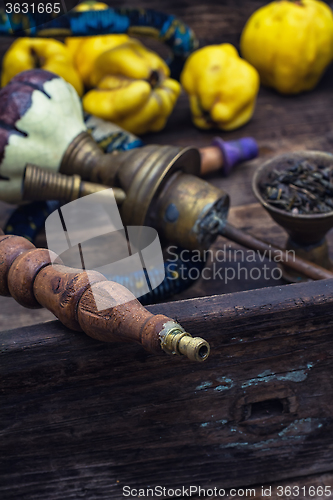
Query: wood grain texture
(88,418)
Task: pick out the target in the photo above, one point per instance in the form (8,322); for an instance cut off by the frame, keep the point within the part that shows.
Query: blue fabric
(166,28)
(109,136)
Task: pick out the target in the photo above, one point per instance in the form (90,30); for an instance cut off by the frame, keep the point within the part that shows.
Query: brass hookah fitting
(158,186)
(28,275)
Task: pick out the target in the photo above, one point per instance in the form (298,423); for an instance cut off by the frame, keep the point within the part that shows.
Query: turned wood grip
(27,274)
(11,248)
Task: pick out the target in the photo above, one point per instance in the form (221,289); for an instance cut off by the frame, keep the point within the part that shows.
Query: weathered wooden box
(82,418)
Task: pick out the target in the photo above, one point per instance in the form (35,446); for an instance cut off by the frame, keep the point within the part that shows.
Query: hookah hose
(146,22)
(28,220)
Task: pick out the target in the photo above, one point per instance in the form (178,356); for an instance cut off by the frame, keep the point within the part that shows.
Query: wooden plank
(82,416)
(12,315)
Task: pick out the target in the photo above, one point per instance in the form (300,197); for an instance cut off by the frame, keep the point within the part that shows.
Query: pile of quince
(127,83)
(286,45)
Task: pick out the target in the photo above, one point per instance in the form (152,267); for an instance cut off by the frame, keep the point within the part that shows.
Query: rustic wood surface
(61,437)
(95,422)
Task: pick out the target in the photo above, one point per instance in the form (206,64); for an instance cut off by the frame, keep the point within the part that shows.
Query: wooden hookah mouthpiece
(28,275)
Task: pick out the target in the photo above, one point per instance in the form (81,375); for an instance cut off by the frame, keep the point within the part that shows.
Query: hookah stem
(29,276)
(303,266)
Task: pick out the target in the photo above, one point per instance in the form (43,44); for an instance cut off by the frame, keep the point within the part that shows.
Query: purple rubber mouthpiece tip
(236,151)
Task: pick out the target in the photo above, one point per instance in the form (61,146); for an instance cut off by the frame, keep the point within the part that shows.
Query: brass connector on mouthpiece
(174,340)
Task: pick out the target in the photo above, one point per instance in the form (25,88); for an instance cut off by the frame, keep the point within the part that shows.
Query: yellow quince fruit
(222,87)
(133,88)
(290,43)
(44,53)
